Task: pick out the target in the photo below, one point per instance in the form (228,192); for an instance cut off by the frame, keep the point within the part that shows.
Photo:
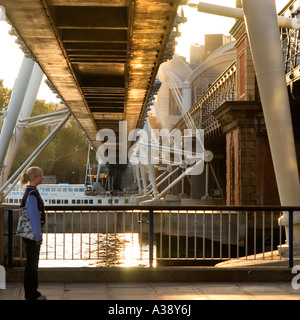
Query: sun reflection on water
(94,250)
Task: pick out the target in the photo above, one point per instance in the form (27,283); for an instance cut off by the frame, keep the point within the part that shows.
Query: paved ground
(158,291)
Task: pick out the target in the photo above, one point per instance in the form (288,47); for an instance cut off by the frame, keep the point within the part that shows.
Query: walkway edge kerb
(164,274)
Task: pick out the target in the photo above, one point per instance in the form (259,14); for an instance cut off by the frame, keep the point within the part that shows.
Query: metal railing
(223,89)
(111,237)
(290,42)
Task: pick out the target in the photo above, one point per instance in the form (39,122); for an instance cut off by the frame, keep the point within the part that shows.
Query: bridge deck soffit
(101,56)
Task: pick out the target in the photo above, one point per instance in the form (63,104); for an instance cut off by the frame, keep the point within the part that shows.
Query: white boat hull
(68,195)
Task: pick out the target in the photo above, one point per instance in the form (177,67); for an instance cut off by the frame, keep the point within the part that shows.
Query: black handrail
(175,208)
(151,209)
(163,207)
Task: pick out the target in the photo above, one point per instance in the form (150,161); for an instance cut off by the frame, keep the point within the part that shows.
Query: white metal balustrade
(223,89)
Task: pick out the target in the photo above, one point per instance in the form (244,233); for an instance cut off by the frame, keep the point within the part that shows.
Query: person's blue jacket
(34,217)
(35,209)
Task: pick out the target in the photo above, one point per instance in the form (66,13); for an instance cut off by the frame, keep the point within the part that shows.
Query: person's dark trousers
(31,269)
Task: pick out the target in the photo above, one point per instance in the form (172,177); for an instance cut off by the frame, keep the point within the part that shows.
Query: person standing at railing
(36,214)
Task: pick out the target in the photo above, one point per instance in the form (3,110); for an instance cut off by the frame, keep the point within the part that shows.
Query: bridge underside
(101,56)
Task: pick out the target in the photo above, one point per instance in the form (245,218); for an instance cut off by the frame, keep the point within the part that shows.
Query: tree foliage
(5,94)
(71,152)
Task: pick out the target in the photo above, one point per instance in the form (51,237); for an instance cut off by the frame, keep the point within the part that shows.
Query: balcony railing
(148,236)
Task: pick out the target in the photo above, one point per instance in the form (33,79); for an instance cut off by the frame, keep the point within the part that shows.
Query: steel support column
(151,169)
(138,177)
(165,178)
(238,13)
(26,110)
(15,105)
(143,175)
(185,173)
(264,37)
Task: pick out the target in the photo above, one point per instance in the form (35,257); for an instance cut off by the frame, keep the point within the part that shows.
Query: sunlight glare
(198,24)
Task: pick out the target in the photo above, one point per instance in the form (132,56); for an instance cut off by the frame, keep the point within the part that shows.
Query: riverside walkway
(163,283)
(158,291)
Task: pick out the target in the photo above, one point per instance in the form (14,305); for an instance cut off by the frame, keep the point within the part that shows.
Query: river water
(94,250)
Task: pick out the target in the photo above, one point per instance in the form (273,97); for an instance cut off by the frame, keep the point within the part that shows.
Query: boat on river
(71,195)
